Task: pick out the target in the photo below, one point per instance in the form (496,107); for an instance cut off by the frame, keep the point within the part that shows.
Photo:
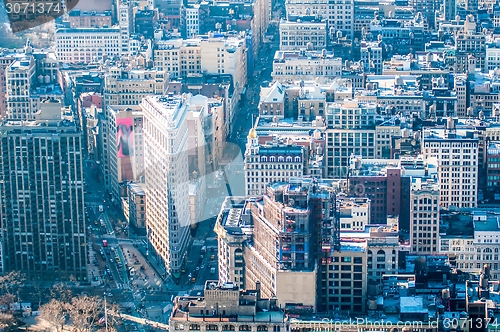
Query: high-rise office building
(457,152)
(424,216)
(122,148)
(126,22)
(165,159)
(42,195)
(351,130)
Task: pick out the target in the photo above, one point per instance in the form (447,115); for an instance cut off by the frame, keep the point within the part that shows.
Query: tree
(37,293)
(10,283)
(54,313)
(61,292)
(7,320)
(9,287)
(85,312)
(113,315)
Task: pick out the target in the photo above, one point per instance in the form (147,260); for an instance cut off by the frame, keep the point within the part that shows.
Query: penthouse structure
(82,19)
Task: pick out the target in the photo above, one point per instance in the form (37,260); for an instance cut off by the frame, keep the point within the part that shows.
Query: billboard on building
(125,148)
(125,137)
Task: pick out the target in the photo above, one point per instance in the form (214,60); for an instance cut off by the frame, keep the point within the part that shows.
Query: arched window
(194,327)
(288,159)
(281,159)
(245,328)
(297,159)
(262,328)
(272,159)
(227,327)
(263,159)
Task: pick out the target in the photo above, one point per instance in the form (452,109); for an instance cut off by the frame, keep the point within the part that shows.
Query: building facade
(338,15)
(424,216)
(127,86)
(85,45)
(351,130)
(297,34)
(42,211)
(165,159)
(137,207)
(457,153)
(270,163)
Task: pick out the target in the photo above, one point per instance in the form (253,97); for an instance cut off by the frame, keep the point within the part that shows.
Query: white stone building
(354,214)
(270,163)
(424,215)
(85,45)
(305,65)
(167,178)
(212,56)
(339,14)
(192,21)
(472,241)
(126,23)
(127,86)
(299,34)
(457,155)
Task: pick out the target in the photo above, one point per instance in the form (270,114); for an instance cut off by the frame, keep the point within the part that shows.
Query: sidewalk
(160,271)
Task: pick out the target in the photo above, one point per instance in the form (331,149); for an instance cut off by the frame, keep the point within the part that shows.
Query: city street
(126,268)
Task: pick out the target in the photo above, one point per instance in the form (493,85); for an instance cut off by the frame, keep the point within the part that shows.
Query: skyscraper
(165,159)
(42,203)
